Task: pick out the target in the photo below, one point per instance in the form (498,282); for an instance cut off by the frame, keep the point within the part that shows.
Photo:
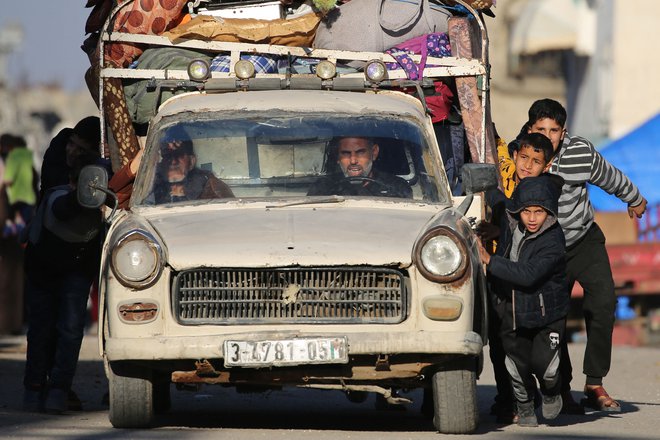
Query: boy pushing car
(531,266)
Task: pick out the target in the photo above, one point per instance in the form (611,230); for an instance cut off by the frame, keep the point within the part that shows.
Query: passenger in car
(357,176)
(179,179)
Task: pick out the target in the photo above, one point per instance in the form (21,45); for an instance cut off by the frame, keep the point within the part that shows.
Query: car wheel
(455,399)
(162,397)
(131,399)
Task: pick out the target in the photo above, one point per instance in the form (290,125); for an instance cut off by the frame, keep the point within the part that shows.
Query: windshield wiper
(331,199)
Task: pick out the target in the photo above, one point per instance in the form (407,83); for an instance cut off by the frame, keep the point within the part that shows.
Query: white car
(344,289)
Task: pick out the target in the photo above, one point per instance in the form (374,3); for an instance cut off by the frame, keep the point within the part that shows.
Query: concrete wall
(636,65)
(625,69)
(511,96)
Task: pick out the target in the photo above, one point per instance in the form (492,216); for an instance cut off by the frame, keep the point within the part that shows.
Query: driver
(355,157)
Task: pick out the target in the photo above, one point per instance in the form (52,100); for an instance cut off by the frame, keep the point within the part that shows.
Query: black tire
(357,396)
(162,396)
(131,400)
(455,400)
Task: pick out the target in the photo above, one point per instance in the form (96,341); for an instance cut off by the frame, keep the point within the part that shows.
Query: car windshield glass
(265,156)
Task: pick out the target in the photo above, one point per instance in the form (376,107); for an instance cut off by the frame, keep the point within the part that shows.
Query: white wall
(636,70)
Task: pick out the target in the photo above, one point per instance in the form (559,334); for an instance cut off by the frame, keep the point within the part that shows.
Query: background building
(597,57)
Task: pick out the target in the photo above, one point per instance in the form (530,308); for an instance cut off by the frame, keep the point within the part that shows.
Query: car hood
(315,235)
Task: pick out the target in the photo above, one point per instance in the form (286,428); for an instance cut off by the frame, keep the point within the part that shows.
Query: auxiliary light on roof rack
(199,70)
(375,71)
(244,69)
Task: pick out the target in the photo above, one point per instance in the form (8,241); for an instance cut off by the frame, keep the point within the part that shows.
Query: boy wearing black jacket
(532,268)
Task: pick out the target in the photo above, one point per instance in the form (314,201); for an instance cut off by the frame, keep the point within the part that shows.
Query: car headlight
(137,260)
(441,255)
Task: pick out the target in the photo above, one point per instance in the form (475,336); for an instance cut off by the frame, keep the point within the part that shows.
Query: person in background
(6,141)
(18,181)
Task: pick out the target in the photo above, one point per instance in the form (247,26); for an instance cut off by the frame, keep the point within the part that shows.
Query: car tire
(455,399)
(162,393)
(131,399)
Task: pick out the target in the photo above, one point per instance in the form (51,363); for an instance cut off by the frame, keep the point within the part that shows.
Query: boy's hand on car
(638,210)
(487,231)
(483,253)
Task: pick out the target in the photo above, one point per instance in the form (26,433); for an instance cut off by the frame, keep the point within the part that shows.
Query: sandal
(598,399)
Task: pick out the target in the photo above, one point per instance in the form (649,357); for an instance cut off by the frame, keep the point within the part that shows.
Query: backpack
(32,231)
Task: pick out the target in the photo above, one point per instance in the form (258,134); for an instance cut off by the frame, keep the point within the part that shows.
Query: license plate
(281,352)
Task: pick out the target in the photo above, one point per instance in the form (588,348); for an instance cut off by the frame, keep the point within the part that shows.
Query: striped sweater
(578,163)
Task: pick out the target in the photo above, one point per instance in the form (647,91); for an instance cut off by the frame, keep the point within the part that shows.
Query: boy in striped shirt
(578,163)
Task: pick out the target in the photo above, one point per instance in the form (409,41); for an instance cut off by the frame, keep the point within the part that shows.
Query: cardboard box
(617,227)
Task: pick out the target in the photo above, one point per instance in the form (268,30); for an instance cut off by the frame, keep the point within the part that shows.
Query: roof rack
(435,67)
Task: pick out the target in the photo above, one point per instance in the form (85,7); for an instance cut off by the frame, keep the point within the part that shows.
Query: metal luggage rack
(435,67)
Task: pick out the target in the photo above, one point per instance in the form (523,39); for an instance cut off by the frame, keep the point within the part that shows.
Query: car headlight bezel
(441,235)
(151,273)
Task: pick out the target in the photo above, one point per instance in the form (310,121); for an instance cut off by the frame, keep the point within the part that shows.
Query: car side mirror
(92,186)
(478,177)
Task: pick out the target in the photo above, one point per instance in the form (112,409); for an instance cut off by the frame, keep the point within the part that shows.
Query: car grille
(319,295)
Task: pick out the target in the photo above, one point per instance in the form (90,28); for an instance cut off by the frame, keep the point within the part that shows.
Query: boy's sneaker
(33,400)
(526,414)
(551,406)
(56,401)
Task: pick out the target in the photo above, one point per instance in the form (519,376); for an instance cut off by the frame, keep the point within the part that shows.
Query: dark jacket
(66,237)
(538,280)
(54,169)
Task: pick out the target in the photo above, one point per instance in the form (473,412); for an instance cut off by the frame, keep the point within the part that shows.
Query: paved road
(295,414)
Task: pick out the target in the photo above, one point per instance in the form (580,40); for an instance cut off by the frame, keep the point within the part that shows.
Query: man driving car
(357,176)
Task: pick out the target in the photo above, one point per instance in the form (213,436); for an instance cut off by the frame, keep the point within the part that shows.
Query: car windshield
(223,157)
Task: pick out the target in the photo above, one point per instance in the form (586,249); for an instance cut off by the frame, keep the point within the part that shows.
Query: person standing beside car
(532,269)
(56,165)
(62,259)
(578,163)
